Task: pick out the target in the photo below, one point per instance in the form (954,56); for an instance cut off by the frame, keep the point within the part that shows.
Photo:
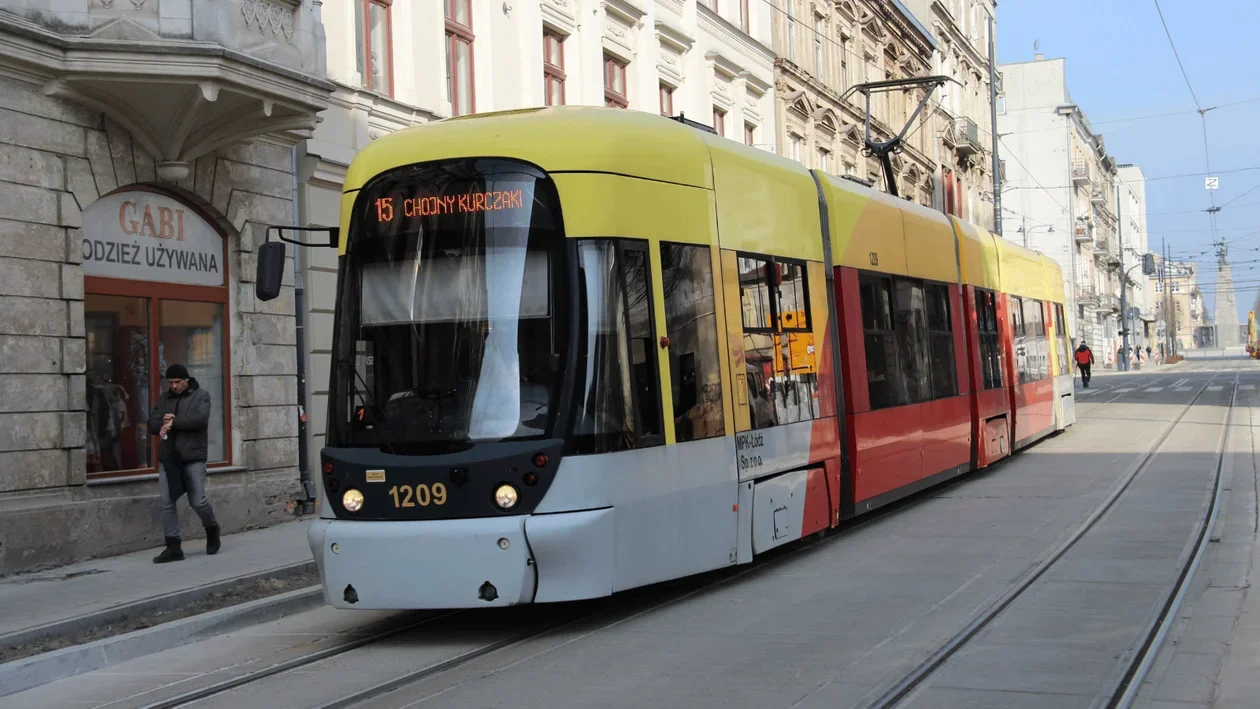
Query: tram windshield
(451,326)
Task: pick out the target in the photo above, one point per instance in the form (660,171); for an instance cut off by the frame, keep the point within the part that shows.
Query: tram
(580,350)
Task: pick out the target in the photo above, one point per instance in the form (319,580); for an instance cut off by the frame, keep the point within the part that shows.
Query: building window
(794,146)
(459,57)
(667,100)
(844,63)
(824,160)
(615,95)
(145,313)
(553,68)
(750,134)
(818,49)
(719,121)
(374,46)
(745,21)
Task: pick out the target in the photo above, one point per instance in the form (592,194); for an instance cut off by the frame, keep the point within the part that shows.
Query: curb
(38,670)
(155,604)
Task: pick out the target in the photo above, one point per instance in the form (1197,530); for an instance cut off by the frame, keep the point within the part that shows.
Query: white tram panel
(766,451)
(1064,401)
(779,510)
(674,508)
(423,564)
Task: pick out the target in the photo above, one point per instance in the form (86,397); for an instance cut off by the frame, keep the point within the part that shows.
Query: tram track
(608,612)
(1124,688)
(604,614)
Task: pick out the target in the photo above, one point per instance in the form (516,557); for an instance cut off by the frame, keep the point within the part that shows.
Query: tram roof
(556,139)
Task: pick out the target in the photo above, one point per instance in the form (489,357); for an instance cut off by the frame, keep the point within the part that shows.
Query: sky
(1120,65)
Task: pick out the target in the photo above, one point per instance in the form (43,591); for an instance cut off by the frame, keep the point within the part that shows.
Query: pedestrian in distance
(1084,359)
(180,419)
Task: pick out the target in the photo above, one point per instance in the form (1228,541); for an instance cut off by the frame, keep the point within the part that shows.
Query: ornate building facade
(823,49)
(144,147)
(962,110)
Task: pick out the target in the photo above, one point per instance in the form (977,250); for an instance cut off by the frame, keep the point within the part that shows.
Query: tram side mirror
(1148,264)
(270,270)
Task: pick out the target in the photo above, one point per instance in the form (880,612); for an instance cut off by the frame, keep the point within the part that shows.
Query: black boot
(212,539)
(172,552)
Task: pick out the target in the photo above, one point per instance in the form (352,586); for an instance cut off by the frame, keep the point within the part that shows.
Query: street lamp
(1026,232)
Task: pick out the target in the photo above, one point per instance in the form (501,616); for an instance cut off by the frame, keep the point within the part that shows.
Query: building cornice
(706,19)
(211,96)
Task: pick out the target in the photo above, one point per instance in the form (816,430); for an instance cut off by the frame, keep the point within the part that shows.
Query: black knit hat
(176,371)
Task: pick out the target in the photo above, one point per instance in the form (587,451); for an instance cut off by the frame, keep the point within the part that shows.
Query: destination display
(389,209)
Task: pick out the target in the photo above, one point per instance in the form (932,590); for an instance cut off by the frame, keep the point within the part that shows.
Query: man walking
(180,419)
(1084,358)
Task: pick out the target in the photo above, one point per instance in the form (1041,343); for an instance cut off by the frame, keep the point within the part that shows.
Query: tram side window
(1065,359)
(912,346)
(780,360)
(990,350)
(691,324)
(883,376)
(619,405)
(1036,345)
(941,342)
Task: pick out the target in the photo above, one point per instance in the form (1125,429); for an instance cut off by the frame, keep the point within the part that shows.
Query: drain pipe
(299,308)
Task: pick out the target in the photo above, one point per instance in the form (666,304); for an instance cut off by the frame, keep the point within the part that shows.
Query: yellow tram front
(497,309)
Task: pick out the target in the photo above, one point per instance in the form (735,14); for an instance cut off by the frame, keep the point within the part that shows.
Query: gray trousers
(195,485)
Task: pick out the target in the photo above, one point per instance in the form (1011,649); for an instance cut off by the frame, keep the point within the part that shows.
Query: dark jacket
(192,416)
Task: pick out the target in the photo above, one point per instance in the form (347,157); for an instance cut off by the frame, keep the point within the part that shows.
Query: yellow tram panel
(867,231)
(1020,270)
(929,240)
(979,255)
(766,204)
(614,206)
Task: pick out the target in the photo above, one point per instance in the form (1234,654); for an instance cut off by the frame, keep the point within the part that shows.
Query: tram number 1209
(423,495)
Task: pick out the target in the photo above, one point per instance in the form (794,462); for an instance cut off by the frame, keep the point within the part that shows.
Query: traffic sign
(1211,183)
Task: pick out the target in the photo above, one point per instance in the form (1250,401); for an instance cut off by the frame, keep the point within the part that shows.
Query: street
(1031,584)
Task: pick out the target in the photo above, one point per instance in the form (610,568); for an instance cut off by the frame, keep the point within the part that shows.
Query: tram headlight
(352,500)
(505,497)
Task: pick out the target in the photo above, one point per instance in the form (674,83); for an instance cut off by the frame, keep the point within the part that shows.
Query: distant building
(1059,196)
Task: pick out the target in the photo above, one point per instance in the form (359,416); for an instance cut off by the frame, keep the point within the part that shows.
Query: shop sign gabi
(148,236)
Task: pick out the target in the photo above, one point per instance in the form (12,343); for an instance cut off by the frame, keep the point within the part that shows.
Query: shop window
(990,348)
(459,57)
(374,46)
(620,405)
(155,294)
(781,366)
(691,324)
(615,92)
(553,68)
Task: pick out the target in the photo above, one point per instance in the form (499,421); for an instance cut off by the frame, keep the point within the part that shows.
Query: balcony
(183,89)
(968,136)
(1080,173)
(1102,244)
(1098,195)
(1083,235)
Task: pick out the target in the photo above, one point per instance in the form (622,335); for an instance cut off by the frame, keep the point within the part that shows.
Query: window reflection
(780,358)
(191,334)
(691,323)
(117,331)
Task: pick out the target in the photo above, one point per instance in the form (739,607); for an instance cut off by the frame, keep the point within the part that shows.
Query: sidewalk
(98,592)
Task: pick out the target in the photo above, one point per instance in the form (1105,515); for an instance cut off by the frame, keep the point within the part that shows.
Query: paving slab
(827,625)
(86,588)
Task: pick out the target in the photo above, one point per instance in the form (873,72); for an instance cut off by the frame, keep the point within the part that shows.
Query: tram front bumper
(467,563)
